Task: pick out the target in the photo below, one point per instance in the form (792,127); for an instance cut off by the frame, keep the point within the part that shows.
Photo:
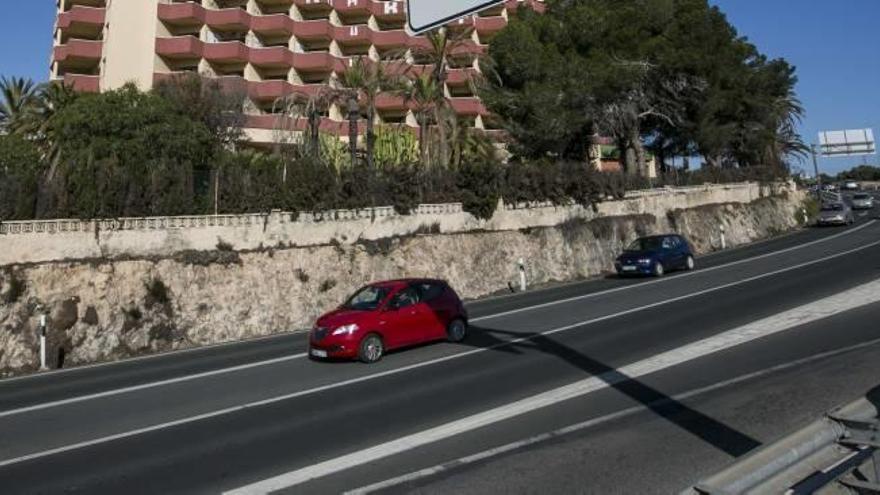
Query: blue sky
(834,45)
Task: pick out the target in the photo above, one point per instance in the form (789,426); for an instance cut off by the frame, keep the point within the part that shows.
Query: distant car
(389,315)
(656,255)
(851,185)
(835,214)
(829,187)
(862,201)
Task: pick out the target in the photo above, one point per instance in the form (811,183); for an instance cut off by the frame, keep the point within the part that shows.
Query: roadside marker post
(43,324)
(424,15)
(723,239)
(522,275)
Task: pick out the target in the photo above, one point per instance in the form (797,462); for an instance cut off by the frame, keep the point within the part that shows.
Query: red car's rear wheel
(456,331)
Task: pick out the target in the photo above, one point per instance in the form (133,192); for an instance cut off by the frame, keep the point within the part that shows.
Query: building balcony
(180,47)
(388,102)
(317,62)
(273,25)
(82,22)
(488,26)
(469,106)
(66,5)
(226,52)
(314,7)
(82,83)
(272,57)
(353,8)
(460,77)
(390,40)
(79,53)
(353,35)
(389,11)
(313,30)
(536,5)
(228,19)
(269,90)
(182,14)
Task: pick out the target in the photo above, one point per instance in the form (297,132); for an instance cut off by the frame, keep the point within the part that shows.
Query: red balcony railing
(79,50)
(80,15)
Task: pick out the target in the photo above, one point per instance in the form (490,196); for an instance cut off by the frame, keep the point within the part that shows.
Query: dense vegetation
(668,77)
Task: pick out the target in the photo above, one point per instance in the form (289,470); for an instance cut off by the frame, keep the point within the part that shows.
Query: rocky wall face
(107,310)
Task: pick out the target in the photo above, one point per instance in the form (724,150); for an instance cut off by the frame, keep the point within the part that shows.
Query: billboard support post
(816,171)
(424,15)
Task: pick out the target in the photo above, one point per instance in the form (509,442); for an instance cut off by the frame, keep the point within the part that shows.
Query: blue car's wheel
(689,263)
(659,271)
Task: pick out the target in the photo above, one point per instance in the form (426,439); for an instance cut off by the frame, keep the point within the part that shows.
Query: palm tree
(17,97)
(368,80)
(783,140)
(435,59)
(40,121)
(311,107)
(425,95)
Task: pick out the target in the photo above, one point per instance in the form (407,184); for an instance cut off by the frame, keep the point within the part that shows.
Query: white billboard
(424,15)
(847,143)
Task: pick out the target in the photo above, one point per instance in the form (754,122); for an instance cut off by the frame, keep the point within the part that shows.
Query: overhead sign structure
(847,143)
(424,15)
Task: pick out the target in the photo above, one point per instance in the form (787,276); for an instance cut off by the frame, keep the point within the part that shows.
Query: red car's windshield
(367,299)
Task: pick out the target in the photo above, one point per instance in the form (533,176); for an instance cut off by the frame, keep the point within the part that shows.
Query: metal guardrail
(839,453)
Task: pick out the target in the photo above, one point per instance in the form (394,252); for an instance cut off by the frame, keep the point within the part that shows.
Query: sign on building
(424,15)
(847,143)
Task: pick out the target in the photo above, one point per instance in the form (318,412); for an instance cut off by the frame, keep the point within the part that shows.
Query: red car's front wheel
(371,349)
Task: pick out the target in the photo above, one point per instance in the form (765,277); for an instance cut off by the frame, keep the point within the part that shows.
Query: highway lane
(643,451)
(244,445)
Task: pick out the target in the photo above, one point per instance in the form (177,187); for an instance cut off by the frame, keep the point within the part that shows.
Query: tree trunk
(638,151)
(441,137)
(352,137)
(314,135)
(423,140)
(371,137)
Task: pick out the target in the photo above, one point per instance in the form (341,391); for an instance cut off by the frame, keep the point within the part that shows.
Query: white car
(851,185)
(863,201)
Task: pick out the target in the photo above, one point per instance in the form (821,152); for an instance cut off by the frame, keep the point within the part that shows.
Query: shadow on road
(710,430)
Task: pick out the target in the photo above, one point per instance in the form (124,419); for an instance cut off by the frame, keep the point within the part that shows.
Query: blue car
(656,255)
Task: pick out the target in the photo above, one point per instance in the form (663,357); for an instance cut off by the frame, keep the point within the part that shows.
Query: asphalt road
(227,417)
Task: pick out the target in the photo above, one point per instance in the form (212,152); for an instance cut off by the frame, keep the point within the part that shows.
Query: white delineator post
(43,323)
(806,218)
(522,275)
(723,239)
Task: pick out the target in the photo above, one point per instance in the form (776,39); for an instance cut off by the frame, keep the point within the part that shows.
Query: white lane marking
(395,371)
(854,298)
(520,444)
(143,386)
(66,371)
(678,277)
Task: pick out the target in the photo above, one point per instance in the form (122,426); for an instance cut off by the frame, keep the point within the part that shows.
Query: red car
(389,315)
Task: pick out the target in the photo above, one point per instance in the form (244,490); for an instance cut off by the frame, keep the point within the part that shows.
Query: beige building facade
(271,48)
